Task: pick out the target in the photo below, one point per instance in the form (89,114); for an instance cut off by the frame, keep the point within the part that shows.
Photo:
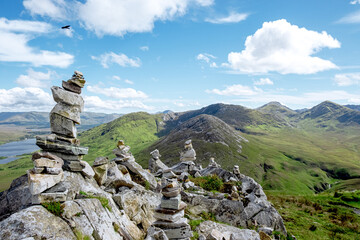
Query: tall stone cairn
(63,142)
(188,153)
(170,213)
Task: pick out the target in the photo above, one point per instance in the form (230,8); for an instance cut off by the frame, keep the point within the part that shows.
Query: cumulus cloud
(351,18)
(264,81)
(56,9)
(121,59)
(35,79)
(25,99)
(235,90)
(96,104)
(347,79)
(232,18)
(117,18)
(355,2)
(281,47)
(117,93)
(208,58)
(14,38)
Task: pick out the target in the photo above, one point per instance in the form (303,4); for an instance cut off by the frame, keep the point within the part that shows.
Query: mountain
(211,137)
(353,107)
(279,111)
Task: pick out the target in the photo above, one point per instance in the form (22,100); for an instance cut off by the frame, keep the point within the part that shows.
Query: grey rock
(77,79)
(182,222)
(87,171)
(35,222)
(40,182)
(71,87)
(74,166)
(182,167)
(227,232)
(156,165)
(267,230)
(17,197)
(173,192)
(68,157)
(100,174)
(62,125)
(171,203)
(169,217)
(155,233)
(67,111)
(62,96)
(197,174)
(49,197)
(189,185)
(43,154)
(179,233)
(169,174)
(48,163)
(100,161)
(138,170)
(116,179)
(62,148)
(53,171)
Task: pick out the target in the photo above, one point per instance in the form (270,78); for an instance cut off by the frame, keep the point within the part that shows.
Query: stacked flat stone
(170,213)
(46,173)
(212,163)
(63,141)
(188,153)
(122,153)
(100,167)
(155,164)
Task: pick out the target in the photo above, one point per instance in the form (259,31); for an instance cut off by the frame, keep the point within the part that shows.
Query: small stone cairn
(188,153)
(170,213)
(155,164)
(212,163)
(61,149)
(122,153)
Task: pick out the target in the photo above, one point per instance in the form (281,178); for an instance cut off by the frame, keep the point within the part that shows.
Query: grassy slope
(139,130)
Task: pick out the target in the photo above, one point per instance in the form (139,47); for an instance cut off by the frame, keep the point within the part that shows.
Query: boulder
(115,178)
(40,182)
(100,161)
(138,170)
(67,111)
(62,125)
(62,96)
(226,232)
(74,166)
(34,222)
(101,174)
(87,171)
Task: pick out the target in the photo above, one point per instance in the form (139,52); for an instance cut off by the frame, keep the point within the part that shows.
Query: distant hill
(353,107)
(278,111)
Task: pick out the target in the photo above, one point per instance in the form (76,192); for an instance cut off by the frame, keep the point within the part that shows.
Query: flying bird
(66,27)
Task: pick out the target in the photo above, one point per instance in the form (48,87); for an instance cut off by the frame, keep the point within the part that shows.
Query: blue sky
(154,55)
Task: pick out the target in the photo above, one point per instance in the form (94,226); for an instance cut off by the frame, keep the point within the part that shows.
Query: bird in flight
(66,27)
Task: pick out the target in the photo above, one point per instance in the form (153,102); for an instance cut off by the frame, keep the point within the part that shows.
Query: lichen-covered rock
(40,182)
(138,170)
(226,232)
(35,222)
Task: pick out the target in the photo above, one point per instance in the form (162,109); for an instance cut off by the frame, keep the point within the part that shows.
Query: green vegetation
(322,216)
(209,183)
(103,200)
(139,130)
(55,208)
(80,236)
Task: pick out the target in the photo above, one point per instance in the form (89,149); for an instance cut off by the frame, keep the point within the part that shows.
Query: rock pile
(188,153)
(122,153)
(63,117)
(170,213)
(155,164)
(212,163)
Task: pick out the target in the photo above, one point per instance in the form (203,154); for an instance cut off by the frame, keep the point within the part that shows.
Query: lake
(13,150)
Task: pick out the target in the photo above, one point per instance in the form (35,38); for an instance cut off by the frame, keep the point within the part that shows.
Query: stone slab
(67,111)
(40,182)
(62,96)
(49,197)
(62,148)
(171,203)
(169,217)
(71,87)
(174,207)
(62,126)
(73,166)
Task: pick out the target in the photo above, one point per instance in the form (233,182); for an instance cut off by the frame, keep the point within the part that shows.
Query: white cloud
(206,57)
(281,47)
(35,79)
(116,77)
(117,93)
(56,9)
(120,59)
(128,81)
(144,48)
(355,2)
(264,81)
(117,18)
(351,18)
(232,18)
(96,104)
(235,90)
(14,38)
(347,79)
(25,99)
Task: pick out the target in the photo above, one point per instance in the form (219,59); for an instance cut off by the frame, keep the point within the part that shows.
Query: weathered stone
(101,174)
(171,205)
(179,233)
(62,96)
(87,171)
(182,222)
(48,163)
(43,154)
(67,111)
(171,192)
(212,163)
(155,233)
(182,167)
(264,236)
(138,170)
(267,230)
(100,161)
(68,157)
(38,170)
(50,197)
(215,235)
(78,79)
(73,166)
(71,87)
(60,139)
(40,182)
(169,174)
(169,217)
(115,178)
(53,171)
(62,125)
(188,185)
(197,174)
(228,232)
(62,148)
(35,222)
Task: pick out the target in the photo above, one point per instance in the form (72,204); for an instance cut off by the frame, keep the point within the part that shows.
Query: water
(13,150)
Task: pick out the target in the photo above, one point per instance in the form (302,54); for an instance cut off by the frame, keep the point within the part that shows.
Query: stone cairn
(188,153)
(155,164)
(212,163)
(170,213)
(122,153)
(61,149)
